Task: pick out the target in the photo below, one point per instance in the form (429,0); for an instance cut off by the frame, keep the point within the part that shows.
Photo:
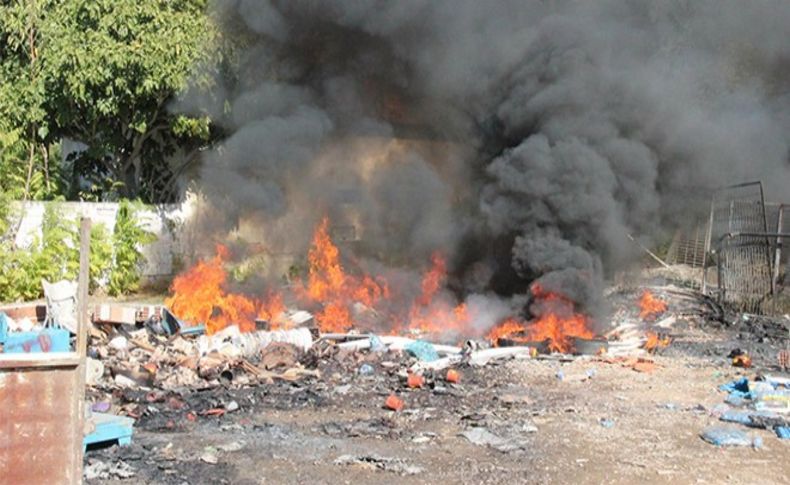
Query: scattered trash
(366,370)
(643,365)
(61,300)
(101,407)
(209,456)
(22,336)
(775,400)
(423,438)
(736,400)
(415,381)
(749,418)
(376,345)
(94,369)
(97,470)
(394,403)
(483,437)
(118,343)
(232,446)
(783,432)
(378,462)
(606,423)
(109,428)
(232,406)
(723,436)
(738,387)
(453,376)
(422,350)
(279,354)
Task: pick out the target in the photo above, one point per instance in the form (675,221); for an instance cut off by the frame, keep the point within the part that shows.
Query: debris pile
(763,403)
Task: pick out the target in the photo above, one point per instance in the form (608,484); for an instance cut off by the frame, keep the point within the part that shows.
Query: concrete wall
(164,221)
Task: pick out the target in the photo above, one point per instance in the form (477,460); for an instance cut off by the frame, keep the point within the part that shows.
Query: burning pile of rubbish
(208,336)
(341,301)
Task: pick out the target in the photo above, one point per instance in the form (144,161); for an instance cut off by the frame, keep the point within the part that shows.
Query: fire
(432,280)
(510,329)
(437,315)
(200,296)
(271,308)
(329,285)
(651,306)
(654,342)
(557,322)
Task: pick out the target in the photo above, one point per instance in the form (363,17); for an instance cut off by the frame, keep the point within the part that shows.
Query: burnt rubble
(182,385)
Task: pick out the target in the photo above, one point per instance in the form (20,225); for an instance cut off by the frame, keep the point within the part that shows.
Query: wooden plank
(83,324)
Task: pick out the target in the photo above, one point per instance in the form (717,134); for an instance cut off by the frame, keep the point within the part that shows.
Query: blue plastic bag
(738,388)
(783,432)
(423,350)
(721,436)
(376,345)
(745,417)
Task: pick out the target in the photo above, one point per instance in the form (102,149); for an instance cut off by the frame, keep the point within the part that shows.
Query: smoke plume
(523,139)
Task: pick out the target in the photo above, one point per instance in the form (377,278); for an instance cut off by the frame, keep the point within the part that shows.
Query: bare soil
(601,423)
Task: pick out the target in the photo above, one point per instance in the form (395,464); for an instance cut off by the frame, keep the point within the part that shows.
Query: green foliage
(5,212)
(101,255)
(115,261)
(53,256)
(29,159)
(110,77)
(127,240)
(102,72)
(58,254)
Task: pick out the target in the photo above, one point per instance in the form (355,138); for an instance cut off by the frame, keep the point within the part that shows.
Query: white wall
(163,220)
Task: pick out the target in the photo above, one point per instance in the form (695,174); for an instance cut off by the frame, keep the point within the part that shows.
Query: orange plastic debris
(644,366)
(415,381)
(453,376)
(213,412)
(394,402)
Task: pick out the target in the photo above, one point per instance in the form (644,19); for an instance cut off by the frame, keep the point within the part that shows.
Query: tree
(103,72)
(116,66)
(25,147)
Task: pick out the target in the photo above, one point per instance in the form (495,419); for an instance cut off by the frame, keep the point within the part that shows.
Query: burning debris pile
(210,336)
(343,302)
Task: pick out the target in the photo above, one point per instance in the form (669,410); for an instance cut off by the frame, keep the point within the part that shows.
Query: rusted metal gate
(42,398)
(743,264)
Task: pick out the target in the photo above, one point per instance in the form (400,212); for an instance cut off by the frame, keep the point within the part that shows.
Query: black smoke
(526,139)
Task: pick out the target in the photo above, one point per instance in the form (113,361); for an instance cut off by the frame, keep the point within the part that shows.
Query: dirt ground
(600,423)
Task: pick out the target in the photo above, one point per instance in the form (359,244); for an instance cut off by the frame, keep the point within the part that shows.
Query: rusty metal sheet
(40,425)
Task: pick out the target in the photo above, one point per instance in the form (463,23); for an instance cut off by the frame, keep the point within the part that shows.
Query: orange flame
(655,342)
(271,308)
(651,306)
(199,296)
(437,315)
(329,285)
(509,329)
(557,323)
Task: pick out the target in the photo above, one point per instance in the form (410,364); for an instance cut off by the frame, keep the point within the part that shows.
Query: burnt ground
(602,422)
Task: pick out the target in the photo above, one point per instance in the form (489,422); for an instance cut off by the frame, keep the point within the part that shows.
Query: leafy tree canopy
(103,72)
